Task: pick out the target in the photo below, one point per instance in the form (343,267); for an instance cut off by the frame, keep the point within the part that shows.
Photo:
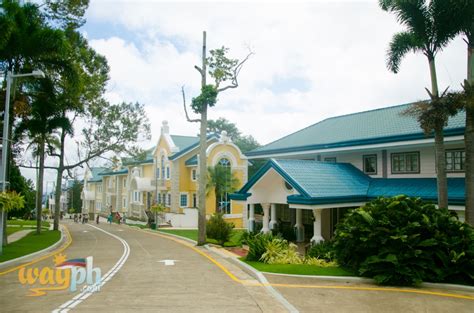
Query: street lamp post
(6,138)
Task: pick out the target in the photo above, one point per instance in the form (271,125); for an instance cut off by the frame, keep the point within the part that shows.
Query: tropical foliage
(404,241)
(217,228)
(223,182)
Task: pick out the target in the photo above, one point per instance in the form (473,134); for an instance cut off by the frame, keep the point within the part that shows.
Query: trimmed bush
(257,245)
(404,241)
(217,228)
(323,251)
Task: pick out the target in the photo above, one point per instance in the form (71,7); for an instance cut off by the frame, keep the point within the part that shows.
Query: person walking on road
(97,219)
(109,218)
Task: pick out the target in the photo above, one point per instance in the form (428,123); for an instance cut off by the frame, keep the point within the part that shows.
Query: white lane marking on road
(168,262)
(65,307)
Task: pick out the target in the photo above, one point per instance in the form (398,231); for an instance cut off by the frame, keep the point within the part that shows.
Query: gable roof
(325,183)
(369,127)
(95,171)
(182,142)
(192,161)
(192,146)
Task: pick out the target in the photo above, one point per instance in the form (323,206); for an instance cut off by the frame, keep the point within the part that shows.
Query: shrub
(319,262)
(217,228)
(278,251)
(403,241)
(257,245)
(323,251)
(285,230)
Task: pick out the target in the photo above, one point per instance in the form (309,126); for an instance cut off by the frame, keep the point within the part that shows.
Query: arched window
(224,162)
(223,201)
(162,167)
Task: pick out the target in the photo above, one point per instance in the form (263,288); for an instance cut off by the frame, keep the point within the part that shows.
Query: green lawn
(29,244)
(193,234)
(11,230)
(299,269)
(28,223)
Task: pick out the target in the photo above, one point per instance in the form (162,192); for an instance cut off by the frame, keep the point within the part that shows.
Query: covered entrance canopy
(314,185)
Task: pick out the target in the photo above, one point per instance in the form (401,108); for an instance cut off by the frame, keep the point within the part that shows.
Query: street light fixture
(6,138)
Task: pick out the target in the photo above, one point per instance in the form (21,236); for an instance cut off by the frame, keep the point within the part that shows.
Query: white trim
(187,199)
(215,144)
(456,207)
(193,151)
(326,206)
(236,215)
(195,171)
(356,148)
(227,155)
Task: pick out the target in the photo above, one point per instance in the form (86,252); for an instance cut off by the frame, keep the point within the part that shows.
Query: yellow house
(169,175)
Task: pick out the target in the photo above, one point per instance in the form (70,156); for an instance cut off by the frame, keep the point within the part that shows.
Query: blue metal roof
(191,147)
(192,161)
(111,172)
(325,183)
(95,171)
(369,127)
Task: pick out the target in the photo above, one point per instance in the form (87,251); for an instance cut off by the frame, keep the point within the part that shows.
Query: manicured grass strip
(11,230)
(299,269)
(29,244)
(27,223)
(187,233)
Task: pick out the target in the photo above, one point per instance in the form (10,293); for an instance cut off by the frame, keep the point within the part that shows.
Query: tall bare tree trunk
(39,187)
(57,196)
(441,179)
(202,156)
(469,141)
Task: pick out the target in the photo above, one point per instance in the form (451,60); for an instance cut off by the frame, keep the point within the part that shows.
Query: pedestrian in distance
(97,219)
(109,218)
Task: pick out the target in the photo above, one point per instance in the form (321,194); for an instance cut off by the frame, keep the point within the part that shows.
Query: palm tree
(222,181)
(42,121)
(427,31)
(462,12)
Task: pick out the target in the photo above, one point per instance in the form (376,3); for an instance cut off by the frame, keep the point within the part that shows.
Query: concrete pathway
(18,235)
(151,272)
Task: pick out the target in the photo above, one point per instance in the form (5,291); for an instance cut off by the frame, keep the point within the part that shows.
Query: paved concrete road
(143,284)
(139,282)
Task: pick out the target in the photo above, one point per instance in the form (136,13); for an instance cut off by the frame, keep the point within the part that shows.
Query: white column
(266,217)
(273,220)
(317,238)
(299,226)
(251,223)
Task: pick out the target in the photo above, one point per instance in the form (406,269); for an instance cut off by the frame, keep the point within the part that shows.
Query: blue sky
(313,60)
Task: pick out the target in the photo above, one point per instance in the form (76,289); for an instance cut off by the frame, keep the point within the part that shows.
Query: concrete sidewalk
(18,235)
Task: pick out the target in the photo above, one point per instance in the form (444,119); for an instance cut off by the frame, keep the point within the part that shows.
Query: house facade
(167,174)
(315,175)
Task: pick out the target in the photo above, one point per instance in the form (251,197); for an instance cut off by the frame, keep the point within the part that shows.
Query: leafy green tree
(10,200)
(245,143)
(222,181)
(74,197)
(428,30)
(224,71)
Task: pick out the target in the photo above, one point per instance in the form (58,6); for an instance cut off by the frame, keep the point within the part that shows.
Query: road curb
(34,254)
(372,281)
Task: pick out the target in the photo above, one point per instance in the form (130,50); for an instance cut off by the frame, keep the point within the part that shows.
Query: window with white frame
(124,183)
(167,172)
(183,200)
(193,174)
(99,188)
(157,173)
(110,182)
(159,198)
(370,164)
(162,167)
(168,199)
(124,202)
(137,196)
(223,199)
(194,200)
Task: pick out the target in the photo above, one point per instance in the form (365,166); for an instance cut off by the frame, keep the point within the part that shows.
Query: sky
(312,60)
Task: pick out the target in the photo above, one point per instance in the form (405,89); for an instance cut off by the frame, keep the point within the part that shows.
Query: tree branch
(185,110)
(238,67)
(198,69)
